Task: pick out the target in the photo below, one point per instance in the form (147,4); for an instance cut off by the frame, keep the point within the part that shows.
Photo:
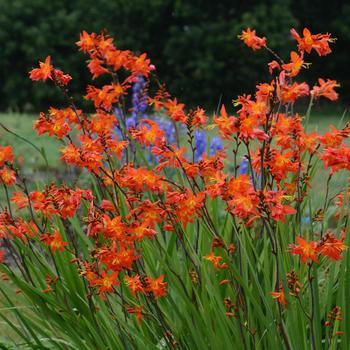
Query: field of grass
(22,125)
(320,122)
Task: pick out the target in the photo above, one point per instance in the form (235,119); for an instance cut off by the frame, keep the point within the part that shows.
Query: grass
(38,157)
(320,121)
(22,125)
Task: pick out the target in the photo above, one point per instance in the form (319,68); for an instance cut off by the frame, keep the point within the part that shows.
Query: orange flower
(87,41)
(20,199)
(248,129)
(61,78)
(96,68)
(279,296)
(150,213)
(52,125)
(140,179)
(6,155)
(274,201)
(332,247)
(241,198)
(44,72)
(333,137)
(7,176)
(240,184)
(54,241)
(225,123)
(318,42)
(290,93)
(140,65)
(295,65)
(223,282)
(107,96)
(281,164)
(305,250)
(250,38)
(199,117)
(244,205)
(88,272)
(157,286)
(42,204)
(23,230)
(175,110)
(115,259)
(71,154)
(325,89)
(107,205)
(137,311)
(336,158)
(115,228)
(215,260)
(186,205)
(106,283)
(148,133)
(273,65)
(134,284)
(140,231)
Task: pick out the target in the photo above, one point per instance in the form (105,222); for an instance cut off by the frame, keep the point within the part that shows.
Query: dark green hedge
(193,43)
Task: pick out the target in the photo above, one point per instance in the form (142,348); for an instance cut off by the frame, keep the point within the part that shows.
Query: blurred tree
(193,43)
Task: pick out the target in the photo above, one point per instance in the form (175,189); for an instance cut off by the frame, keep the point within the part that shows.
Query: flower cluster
(159,178)
(329,246)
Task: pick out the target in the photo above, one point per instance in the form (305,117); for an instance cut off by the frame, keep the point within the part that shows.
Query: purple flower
(139,97)
(130,122)
(201,144)
(119,116)
(168,127)
(243,168)
(215,145)
(118,113)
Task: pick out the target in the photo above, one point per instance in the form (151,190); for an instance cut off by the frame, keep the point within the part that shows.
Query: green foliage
(215,63)
(212,67)
(69,318)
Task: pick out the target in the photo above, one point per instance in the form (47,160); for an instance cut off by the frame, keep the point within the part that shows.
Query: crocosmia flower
(250,38)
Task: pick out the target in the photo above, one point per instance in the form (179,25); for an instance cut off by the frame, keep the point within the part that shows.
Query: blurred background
(193,44)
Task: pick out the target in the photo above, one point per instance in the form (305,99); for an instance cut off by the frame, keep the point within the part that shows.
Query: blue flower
(305,220)
(119,116)
(130,122)
(215,145)
(118,113)
(243,168)
(168,127)
(139,97)
(201,144)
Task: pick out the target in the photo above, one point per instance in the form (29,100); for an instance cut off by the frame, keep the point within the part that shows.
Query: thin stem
(312,313)
(325,205)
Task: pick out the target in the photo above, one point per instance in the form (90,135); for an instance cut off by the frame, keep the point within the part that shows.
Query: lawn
(22,125)
(320,122)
